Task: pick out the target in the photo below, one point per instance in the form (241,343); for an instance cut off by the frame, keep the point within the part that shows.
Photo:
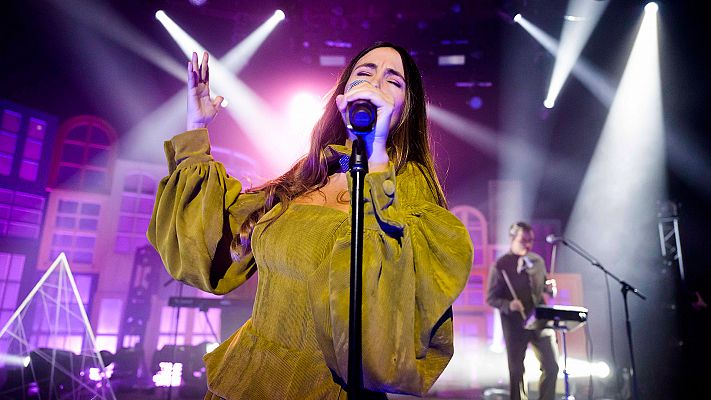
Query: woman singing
(295,231)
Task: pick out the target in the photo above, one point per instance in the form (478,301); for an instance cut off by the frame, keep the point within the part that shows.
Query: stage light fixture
(475,103)
(332,60)
(279,15)
(517,18)
(451,60)
(651,7)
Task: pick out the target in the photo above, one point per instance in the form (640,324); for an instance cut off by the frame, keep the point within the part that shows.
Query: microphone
(360,114)
(553,239)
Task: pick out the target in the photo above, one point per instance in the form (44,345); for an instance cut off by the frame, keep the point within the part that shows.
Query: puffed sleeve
(416,261)
(197,212)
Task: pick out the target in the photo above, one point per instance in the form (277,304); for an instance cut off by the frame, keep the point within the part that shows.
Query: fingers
(191,75)
(217,103)
(198,73)
(203,68)
(192,71)
(341,103)
(369,92)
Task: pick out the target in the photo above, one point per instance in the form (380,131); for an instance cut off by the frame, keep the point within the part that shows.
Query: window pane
(6,196)
(65,222)
(148,186)
(125,224)
(99,137)
(29,201)
(10,300)
(146,206)
(84,242)
(90,209)
(68,207)
(83,257)
(128,203)
(8,141)
(5,164)
(4,317)
(11,121)
(4,212)
(73,153)
(123,244)
(141,225)
(94,179)
(106,342)
(25,215)
(61,240)
(109,316)
(37,129)
(98,157)
(78,133)
(33,149)
(4,266)
(29,170)
(131,183)
(88,224)
(84,283)
(16,267)
(67,175)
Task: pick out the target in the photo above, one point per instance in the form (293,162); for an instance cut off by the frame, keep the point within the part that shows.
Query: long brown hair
(408,142)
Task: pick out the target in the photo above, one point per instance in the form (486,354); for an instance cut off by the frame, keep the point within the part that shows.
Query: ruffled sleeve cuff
(188,148)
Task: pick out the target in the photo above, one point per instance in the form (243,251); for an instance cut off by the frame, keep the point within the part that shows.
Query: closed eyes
(366,73)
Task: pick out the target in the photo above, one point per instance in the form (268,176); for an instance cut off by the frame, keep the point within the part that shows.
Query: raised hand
(202,109)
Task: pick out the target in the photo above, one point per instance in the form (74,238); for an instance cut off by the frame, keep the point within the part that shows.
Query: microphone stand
(358,170)
(624,288)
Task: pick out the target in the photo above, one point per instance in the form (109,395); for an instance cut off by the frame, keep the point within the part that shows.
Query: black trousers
(544,347)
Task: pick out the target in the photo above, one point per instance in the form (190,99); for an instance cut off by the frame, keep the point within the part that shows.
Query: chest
(298,241)
(334,194)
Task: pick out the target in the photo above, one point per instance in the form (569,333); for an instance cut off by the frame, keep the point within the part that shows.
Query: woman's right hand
(201,108)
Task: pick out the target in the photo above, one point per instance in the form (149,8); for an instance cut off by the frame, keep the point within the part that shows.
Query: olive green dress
(417,258)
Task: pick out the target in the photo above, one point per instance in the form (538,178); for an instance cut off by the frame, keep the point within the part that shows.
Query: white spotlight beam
(246,107)
(469,131)
(170,116)
(582,17)
(596,83)
(237,58)
(626,174)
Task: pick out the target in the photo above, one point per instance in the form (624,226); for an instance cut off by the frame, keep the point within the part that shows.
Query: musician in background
(517,282)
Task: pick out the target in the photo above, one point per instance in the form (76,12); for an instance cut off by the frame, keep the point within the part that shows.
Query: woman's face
(382,68)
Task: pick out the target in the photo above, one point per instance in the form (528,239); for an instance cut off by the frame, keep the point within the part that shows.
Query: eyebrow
(373,66)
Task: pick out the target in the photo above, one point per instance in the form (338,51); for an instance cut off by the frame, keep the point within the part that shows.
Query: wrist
(378,159)
(195,125)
